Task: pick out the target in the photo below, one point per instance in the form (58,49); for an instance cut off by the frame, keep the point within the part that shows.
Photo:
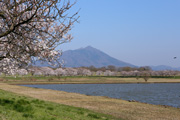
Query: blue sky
(140,32)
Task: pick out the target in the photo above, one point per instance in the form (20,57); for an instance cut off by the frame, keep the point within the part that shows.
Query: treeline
(145,72)
(118,69)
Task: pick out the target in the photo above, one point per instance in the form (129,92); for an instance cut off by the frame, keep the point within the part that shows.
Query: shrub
(26,115)
(93,116)
(50,108)
(4,102)
(23,102)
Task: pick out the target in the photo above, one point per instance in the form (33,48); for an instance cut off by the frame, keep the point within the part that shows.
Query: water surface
(159,94)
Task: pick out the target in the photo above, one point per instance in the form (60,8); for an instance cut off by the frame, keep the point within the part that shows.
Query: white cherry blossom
(31,30)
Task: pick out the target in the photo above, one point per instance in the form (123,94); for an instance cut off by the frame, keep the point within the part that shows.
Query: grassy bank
(17,107)
(120,109)
(82,79)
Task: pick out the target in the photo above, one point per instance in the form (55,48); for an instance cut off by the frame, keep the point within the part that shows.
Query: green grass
(17,107)
(28,79)
(31,78)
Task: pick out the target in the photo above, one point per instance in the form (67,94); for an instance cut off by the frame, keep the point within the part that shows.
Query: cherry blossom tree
(32,29)
(60,72)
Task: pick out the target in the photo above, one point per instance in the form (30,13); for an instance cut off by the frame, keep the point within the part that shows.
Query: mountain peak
(89,56)
(86,48)
(89,47)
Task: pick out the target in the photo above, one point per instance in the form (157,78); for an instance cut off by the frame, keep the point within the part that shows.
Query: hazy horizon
(119,59)
(143,33)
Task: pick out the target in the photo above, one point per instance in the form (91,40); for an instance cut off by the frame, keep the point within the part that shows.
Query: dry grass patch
(85,80)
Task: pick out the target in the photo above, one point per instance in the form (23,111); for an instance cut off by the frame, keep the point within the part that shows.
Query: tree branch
(12,28)
(2,57)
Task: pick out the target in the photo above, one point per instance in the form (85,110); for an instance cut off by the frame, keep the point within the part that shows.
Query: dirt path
(115,107)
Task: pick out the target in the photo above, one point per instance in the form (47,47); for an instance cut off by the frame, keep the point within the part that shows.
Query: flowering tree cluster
(82,71)
(46,71)
(32,29)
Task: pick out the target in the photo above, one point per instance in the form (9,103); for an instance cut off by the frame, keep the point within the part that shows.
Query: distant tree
(22,72)
(71,72)
(145,68)
(111,67)
(146,76)
(110,73)
(47,71)
(33,29)
(173,73)
(60,72)
(102,69)
(119,69)
(136,74)
(84,72)
(99,73)
(92,68)
(126,69)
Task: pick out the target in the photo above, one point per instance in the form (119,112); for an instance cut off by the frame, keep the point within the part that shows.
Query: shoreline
(46,83)
(116,107)
(86,80)
(107,96)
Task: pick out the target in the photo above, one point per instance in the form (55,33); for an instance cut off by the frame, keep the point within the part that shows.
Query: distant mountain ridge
(90,56)
(163,67)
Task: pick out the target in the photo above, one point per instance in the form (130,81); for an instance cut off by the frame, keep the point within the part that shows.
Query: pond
(159,94)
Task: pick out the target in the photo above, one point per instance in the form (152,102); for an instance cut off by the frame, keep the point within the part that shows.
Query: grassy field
(82,79)
(119,109)
(18,107)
